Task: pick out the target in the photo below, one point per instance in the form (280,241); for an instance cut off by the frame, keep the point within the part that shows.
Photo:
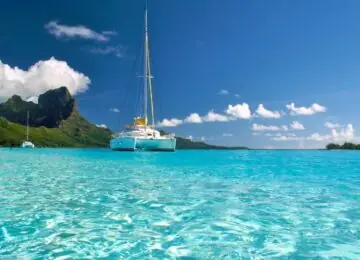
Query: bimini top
(139,122)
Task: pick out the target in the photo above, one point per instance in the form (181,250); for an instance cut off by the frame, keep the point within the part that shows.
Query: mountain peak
(53,106)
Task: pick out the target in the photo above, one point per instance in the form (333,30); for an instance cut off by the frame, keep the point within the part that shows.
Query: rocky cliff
(54,121)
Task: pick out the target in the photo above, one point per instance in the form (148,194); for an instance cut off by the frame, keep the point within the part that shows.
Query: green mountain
(55,122)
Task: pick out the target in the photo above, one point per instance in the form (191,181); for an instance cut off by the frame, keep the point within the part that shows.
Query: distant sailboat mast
(27,126)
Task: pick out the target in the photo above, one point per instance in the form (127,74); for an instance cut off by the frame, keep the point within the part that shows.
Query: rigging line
(150,89)
(138,97)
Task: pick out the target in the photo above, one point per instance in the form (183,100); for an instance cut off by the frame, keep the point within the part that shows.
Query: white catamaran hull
(123,144)
(156,144)
(147,144)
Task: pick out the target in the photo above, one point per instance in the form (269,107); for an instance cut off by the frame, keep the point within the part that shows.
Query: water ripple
(66,204)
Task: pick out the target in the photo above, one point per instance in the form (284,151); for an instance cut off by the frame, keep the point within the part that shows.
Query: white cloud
(190,137)
(227,135)
(239,111)
(318,137)
(215,117)
(77,31)
(118,51)
(279,134)
(332,125)
(256,134)
(33,99)
(263,112)
(170,122)
(39,78)
(287,138)
(314,108)
(296,125)
(223,92)
(101,126)
(237,95)
(114,110)
(258,127)
(194,118)
(202,138)
(344,134)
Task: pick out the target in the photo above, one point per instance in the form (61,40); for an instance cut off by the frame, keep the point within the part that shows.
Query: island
(56,122)
(345,146)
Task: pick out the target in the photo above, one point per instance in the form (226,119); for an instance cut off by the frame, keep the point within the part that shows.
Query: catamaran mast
(145,66)
(148,76)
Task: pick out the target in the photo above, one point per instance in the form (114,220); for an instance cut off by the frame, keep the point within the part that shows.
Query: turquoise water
(73,203)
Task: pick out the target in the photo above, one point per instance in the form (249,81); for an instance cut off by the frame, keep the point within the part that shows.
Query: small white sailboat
(27,143)
(140,135)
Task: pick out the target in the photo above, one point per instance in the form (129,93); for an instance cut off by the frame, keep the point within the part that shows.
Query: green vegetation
(345,146)
(55,122)
(185,143)
(74,132)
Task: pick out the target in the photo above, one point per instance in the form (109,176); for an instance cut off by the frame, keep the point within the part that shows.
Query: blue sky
(223,57)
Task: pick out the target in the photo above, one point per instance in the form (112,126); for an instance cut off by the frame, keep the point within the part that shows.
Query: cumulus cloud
(215,117)
(114,110)
(194,118)
(223,92)
(239,111)
(287,138)
(296,125)
(33,99)
(318,137)
(77,31)
(102,126)
(118,51)
(280,134)
(263,112)
(332,125)
(307,111)
(258,127)
(345,134)
(227,135)
(170,122)
(39,78)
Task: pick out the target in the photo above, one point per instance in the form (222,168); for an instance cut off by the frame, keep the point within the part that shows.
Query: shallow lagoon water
(94,203)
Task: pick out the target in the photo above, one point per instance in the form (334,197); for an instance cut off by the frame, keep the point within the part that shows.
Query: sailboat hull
(144,144)
(156,144)
(27,144)
(123,144)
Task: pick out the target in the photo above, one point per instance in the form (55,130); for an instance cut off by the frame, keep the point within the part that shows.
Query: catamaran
(140,135)
(27,143)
